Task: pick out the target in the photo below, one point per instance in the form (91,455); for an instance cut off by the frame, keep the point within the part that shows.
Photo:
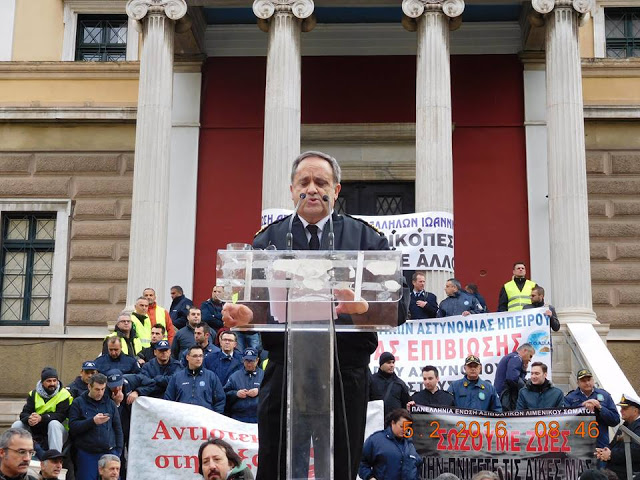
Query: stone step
(10,409)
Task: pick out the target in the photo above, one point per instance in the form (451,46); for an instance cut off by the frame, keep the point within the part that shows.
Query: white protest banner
(165,437)
(445,342)
(425,238)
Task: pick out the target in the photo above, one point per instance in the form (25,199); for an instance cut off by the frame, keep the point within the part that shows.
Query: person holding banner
(473,392)
(432,395)
(389,454)
(595,400)
(614,453)
(510,375)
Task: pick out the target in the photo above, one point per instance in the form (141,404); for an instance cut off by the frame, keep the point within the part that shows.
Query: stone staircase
(10,409)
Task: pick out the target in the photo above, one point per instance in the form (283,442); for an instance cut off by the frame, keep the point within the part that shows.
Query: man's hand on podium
(347,306)
(236,315)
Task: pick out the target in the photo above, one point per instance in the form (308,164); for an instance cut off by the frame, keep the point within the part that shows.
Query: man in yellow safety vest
(46,411)
(515,294)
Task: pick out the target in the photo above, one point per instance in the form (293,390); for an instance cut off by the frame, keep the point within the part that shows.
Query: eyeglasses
(22,452)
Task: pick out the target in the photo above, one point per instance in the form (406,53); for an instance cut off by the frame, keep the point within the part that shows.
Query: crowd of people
(188,354)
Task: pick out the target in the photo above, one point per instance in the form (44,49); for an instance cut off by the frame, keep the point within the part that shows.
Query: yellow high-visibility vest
(50,405)
(518,299)
(137,344)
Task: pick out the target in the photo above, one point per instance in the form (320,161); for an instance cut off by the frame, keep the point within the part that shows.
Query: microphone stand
(295,212)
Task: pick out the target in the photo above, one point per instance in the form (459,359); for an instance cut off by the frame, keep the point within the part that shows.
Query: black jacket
(618,462)
(441,398)
(92,438)
(40,430)
(554,323)
(354,349)
(428,311)
(389,388)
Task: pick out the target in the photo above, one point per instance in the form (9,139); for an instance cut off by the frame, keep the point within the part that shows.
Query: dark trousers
(272,426)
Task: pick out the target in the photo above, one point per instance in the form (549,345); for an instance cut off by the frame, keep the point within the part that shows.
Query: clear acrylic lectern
(301,293)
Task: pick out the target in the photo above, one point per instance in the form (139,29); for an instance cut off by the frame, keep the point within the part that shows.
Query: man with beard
(180,306)
(46,410)
(161,368)
(387,386)
(51,465)
(16,450)
(218,461)
(80,384)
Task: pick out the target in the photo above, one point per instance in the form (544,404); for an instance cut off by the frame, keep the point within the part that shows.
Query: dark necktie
(314,241)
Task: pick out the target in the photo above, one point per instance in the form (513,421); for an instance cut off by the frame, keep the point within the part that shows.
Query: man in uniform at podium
(315,186)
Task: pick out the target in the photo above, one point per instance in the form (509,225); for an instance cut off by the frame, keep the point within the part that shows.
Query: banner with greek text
(425,238)
(165,437)
(533,445)
(445,342)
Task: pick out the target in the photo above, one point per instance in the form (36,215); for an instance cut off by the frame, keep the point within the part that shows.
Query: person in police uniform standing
(316,174)
(473,392)
(595,400)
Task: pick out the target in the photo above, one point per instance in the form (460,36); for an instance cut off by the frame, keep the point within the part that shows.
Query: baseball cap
(114,378)
(163,345)
(472,359)
(49,454)
(250,354)
(89,365)
(585,372)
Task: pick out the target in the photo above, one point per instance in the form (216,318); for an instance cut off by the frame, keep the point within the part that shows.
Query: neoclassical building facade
(139,137)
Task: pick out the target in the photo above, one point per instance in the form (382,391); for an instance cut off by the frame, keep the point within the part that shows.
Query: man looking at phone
(95,428)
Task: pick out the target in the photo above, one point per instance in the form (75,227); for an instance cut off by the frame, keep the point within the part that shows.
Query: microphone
(331,237)
(295,211)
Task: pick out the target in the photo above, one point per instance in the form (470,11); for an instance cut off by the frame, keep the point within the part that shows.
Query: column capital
(174,9)
(265,9)
(546,6)
(415,8)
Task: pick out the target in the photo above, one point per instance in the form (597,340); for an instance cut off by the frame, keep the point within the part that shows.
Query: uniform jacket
(243,409)
(428,311)
(458,303)
(160,374)
(92,438)
(212,314)
(223,365)
(607,416)
(124,363)
(386,457)
(184,339)
(540,396)
(355,348)
(389,388)
(618,459)
(179,311)
(197,387)
(440,398)
(479,395)
(77,387)
(510,378)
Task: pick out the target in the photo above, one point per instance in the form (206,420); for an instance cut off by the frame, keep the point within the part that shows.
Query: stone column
(433,19)
(568,212)
(149,209)
(283,19)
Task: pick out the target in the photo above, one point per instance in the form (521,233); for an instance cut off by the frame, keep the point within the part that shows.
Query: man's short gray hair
(6,437)
(456,283)
(485,475)
(447,476)
(528,347)
(104,459)
(337,172)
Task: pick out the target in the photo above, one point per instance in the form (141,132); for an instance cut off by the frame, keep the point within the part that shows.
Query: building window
(101,38)
(26,268)
(622,32)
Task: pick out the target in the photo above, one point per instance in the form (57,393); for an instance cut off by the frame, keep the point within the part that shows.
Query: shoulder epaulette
(366,223)
(269,224)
